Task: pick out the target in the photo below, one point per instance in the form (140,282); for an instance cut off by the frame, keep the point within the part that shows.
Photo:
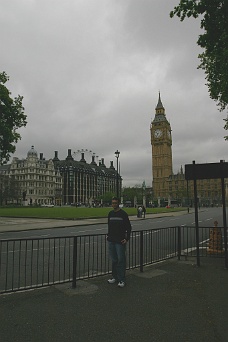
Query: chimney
(41,156)
(93,161)
(102,162)
(111,165)
(56,156)
(69,157)
(82,158)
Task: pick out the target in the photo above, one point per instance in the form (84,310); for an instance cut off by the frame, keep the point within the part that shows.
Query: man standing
(119,230)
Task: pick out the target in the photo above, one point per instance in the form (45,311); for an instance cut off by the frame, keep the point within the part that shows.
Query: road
(49,257)
(207,216)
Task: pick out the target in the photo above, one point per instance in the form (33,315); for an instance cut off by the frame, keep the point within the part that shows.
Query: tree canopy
(214,41)
(12,117)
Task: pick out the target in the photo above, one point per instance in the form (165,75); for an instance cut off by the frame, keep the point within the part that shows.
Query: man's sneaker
(121,284)
(111,281)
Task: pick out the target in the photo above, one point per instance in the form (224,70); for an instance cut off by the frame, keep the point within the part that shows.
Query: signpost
(208,171)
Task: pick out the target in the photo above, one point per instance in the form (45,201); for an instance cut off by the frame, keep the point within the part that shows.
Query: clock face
(157,133)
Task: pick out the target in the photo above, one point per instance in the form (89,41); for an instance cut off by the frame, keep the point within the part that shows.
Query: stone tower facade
(161,141)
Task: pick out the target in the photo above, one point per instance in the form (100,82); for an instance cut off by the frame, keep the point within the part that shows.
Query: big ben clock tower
(161,141)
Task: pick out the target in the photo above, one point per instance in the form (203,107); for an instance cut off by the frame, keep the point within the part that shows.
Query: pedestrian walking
(139,211)
(119,230)
(144,211)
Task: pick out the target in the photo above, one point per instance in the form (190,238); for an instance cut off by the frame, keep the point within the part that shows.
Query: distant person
(144,211)
(140,211)
(119,230)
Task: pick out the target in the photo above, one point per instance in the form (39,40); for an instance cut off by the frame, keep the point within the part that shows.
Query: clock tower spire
(159,107)
(161,141)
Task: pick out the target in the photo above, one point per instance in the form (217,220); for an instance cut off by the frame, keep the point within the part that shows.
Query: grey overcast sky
(90,72)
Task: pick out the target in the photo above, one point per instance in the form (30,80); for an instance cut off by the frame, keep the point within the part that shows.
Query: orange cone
(215,242)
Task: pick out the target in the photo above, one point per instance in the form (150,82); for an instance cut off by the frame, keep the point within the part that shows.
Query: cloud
(90,72)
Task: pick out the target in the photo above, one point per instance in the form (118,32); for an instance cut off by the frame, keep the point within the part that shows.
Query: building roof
(159,105)
(32,152)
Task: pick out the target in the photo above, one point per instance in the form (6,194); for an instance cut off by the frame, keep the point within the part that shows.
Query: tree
(107,197)
(12,117)
(130,193)
(214,41)
(10,191)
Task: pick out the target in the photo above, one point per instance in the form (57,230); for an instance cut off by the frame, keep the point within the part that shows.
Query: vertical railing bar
(7,258)
(91,256)
(80,250)
(43,268)
(133,247)
(53,275)
(186,237)
(74,262)
(0,258)
(19,266)
(101,266)
(141,251)
(98,264)
(93,260)
(175,236)
(145,249)
(168,241)
(59,259)
(31,268)
(26,252)
(179,242)
(49,257)
(88,255)
(69,257)
(135,251)
(12,278)
(64,259)
(84,254)
(129,251)
(105,251)
(168,244)
(105,255)
(37,262)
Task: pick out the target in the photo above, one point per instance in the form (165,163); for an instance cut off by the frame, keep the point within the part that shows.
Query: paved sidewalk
(173,301)
(9,224)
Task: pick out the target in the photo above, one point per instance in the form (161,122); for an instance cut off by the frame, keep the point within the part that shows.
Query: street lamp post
(117,153)
(143,191)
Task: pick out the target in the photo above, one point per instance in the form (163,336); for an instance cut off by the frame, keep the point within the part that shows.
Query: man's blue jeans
(117,253)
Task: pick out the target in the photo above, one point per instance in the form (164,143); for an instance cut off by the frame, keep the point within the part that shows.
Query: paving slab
(174,301)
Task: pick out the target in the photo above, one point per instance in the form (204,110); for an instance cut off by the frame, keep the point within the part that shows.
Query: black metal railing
(38,262)
(211,242)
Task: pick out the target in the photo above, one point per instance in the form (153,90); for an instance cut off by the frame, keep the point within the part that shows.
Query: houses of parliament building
(168,187)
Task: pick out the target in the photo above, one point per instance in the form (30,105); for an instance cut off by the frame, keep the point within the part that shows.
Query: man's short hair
(116,199)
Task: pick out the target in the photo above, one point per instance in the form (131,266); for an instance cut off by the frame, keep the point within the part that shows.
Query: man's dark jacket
(119,226)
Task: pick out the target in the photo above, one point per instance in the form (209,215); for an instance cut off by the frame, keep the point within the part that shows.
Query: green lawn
(72,212)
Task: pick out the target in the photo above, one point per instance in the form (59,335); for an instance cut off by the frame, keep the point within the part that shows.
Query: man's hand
(123,241)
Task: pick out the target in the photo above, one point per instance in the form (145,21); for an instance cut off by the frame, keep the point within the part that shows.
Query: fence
(33,263)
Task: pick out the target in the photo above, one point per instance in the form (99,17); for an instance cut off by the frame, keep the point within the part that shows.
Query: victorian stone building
(37,178)
(59,182)
(85,183)
(168,187)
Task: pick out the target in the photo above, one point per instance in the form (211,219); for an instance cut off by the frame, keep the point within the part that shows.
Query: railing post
(74,262)
(141,251)
(179,242)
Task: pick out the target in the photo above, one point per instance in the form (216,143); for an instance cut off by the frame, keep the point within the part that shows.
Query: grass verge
(73,212)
